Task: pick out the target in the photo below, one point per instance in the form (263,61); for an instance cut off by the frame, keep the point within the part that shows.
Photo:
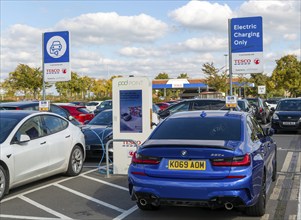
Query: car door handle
(43,143)
(68,136)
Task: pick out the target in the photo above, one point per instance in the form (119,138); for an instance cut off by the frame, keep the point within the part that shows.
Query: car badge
(289,117)
(184,152)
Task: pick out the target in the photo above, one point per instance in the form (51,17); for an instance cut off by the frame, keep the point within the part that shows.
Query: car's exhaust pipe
(228,205)
(143,202)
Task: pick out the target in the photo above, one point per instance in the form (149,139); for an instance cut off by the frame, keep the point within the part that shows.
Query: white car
(35,145)
(92,105)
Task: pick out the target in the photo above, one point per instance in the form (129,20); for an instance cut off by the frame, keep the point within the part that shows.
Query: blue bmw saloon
(205,158)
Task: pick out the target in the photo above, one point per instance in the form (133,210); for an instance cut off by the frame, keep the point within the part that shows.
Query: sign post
(56,57)
(246,45)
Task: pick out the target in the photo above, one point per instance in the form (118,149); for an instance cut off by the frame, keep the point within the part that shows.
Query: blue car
(205,158)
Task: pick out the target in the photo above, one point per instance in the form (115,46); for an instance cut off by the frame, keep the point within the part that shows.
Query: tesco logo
(242,62)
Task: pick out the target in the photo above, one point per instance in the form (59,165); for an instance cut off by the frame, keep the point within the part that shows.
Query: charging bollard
(107,151)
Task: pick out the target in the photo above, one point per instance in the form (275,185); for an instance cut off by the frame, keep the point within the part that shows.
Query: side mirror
(269,131)
(273,109)
(164,114)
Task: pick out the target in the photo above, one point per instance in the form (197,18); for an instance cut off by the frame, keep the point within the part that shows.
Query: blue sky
(143,38)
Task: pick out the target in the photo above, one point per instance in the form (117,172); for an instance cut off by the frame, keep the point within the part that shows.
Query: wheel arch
(5,167)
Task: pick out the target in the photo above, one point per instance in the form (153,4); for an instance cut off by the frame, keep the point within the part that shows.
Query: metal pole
(230,55)
(44,92)
(107,151)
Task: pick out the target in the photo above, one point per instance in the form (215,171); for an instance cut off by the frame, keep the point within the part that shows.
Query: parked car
(262,111)
(163,105)
(205,158)
(272,102)
(81,113)
(103,106)
(35,145)
(246,106)
(97,133)
(92,105)
(34,105)
(287,115)
(194,105)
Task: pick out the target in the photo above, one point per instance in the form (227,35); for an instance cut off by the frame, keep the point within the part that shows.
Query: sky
(143,38)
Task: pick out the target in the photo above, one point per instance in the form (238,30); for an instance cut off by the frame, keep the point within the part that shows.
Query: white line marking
(265,217)
(26,217)
(45,186)
(90,198)
(40,206)
(126,213)
(299,205)
(276,191)
(107,183)
(298,167)
(287,161)
(292,217)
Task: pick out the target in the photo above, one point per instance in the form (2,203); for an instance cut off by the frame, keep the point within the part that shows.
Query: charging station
(132,118)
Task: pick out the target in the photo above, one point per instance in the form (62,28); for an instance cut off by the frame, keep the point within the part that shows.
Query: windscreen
(289,105)
(6,126)
(218,128)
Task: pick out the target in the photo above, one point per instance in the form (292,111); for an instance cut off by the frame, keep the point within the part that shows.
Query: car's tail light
(141,159)
(232,162)
(260,110)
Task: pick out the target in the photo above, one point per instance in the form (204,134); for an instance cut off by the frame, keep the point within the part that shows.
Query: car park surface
(205,158)
(92,195)
(36,145)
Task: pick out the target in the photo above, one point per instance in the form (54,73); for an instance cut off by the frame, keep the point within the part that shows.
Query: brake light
(140,159)
(232,162)
(260,109)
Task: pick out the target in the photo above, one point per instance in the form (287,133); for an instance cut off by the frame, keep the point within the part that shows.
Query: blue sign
(246,35)
(56,47)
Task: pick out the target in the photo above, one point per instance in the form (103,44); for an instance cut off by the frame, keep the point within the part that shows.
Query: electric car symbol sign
(56,56)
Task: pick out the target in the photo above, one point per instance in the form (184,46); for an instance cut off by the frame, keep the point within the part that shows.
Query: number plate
(187,165)
(288,123)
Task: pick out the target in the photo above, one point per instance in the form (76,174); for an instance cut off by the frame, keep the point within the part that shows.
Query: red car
(163,105)
(81,113)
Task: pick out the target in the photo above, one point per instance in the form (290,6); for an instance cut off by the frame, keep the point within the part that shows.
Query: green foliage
(287,75)
(162,76)
(26,80)
(183,76)
(215,78)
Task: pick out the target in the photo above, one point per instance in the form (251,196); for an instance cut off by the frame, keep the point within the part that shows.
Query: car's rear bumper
(204,193)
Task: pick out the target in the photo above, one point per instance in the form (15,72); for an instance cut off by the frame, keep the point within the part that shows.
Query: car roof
(18,114)
(207,113)
(18,104)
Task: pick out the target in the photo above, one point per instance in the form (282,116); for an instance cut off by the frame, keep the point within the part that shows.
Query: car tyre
(76,161)
(259,208)
(3,182)
(274,176)
(147,206)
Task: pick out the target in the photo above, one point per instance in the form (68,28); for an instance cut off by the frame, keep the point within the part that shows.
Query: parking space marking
(90,198)
(265,217)
(25,217)
(40,206)
(292,217)
(277,189)
(126,213)
(298,167)
(104,182)
(287,162)
(295,188)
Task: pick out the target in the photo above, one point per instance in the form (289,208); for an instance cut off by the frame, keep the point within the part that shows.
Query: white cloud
(139,52)
(108,28)
(290,36)
(205,44)
(203,15)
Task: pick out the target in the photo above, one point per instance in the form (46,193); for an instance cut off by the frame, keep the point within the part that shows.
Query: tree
(162,76)
(259,79)
(26,80)
(183,76)
(215,78)
(287,75)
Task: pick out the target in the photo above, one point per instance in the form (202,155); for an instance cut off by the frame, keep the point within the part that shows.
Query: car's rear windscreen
(217,128)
